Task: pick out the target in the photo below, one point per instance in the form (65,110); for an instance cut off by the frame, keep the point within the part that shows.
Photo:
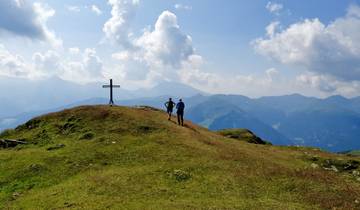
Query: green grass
(134,158)
(243,135)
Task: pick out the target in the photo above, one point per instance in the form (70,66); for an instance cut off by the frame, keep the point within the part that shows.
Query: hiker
(169,107)
(180,112)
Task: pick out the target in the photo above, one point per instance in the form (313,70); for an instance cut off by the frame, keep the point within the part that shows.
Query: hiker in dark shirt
(169,107)
(180,112)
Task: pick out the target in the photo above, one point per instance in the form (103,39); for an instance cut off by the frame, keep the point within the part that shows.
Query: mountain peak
(337,98)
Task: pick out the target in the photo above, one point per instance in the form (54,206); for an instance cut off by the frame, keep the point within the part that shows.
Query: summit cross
(111,86)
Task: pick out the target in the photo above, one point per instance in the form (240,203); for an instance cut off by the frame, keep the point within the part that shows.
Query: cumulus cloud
(274,8)
(117,27)
(92,63)
(272,28)
(332,49)
(329,84)
(48,64)
(321,82)
(11,64)
(159,53)
(87,67)
(131,65)
(27,20)
(166,45)
(165,52)
(96,10)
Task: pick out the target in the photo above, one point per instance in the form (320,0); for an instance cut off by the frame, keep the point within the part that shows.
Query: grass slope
(98,157)
(243,135)
(354,153)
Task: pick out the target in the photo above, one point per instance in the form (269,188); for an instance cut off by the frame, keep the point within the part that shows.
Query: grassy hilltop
(98,157)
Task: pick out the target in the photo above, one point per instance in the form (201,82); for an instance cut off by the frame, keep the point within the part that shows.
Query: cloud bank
(331,51)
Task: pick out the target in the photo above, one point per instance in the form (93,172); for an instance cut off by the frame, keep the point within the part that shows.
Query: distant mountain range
(20,95)
(332,124)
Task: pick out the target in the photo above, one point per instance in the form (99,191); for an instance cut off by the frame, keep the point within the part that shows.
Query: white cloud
(122,56)
(73,8)
(251,85)
(167,53)
(87,68)
(329,84)
(332,49)
(93,8)
(166,45)
(131,65)
(11,65)
(323,83)
(272,28)
(96,10)
(272,73)
(354,10)
(274,8)
(182,7)
(47,64)
(93,64)
(44,12)
(117,27)
(74,50)
(191,72)
(159,53)
(27,20)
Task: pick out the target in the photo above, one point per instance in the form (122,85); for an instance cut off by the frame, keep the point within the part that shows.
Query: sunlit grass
(133,158)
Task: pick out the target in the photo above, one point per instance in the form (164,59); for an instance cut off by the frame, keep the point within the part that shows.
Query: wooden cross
(111,86)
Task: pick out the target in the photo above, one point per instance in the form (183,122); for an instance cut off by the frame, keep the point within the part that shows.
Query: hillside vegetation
(243,135)
(353,153)
(100,157)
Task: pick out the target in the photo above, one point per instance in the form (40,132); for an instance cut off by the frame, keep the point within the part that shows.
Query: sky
(254,48)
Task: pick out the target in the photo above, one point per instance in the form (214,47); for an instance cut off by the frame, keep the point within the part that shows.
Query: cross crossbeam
(108,86)
(111,86)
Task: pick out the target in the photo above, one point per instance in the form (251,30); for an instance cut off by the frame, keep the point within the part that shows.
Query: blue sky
(245,47)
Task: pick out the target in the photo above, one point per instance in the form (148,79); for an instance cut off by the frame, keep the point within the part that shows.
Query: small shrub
(69,127)
(87,136)
(72,119)
(145,129)
(58,146)
(180,175)
(243,135)
(31,124)
(42,138)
